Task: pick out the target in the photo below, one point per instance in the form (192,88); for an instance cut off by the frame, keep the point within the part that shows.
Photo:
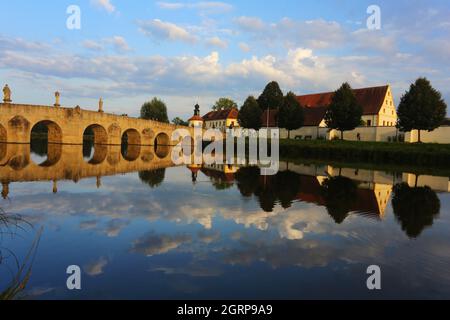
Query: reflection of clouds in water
(208,237)
(153,244)
(88,225)
(114,227)
(95,268)
(192,270)
(303,235)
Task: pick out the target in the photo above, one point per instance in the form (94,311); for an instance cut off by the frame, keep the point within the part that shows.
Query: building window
(369,123)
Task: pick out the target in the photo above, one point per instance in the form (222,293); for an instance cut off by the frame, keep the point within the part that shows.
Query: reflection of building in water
(220,173)
(194,168)
(370,200)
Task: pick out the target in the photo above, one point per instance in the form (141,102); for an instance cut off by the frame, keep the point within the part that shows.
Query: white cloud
(158,29)
(120,44)
(92,45)
(252,24)
(203,6)
(104,4)
(217,42)
(244,47)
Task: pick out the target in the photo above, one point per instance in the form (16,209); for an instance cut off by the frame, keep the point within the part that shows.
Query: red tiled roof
(196,118)
(314,116)
(370,99)
(221,115)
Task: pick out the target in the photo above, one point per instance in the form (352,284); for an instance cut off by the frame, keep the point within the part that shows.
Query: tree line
(421,108)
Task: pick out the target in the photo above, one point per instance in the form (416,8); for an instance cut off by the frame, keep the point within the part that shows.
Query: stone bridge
(68,125)
(66,162)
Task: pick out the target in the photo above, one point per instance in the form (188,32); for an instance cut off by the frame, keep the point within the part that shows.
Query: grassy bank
(436,155)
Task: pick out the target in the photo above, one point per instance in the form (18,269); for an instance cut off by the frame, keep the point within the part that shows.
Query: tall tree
(421,108)
(272,97)
(290,116)
(250,114)
(224,104)
(155,110)
(180,122)
(344,112)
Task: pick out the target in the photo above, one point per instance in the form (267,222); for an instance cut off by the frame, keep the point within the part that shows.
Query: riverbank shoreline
(381,153)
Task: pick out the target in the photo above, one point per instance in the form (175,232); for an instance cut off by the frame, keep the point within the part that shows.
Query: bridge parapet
(67,125)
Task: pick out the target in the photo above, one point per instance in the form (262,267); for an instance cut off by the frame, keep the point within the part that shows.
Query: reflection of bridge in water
(66,162)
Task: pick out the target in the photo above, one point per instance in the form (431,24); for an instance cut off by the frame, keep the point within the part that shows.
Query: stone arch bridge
(68,125)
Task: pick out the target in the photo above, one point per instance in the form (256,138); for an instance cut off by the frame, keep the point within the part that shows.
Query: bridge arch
(131,152)
(96,132)
(131,137)
(3,134)
(162,151)
(48,129)
(99,156)
(162,139)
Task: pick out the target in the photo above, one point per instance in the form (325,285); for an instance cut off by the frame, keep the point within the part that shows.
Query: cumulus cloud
(161,30)
(217,42)
(105,5)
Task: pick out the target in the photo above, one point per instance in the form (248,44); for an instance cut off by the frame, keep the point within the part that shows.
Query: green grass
(416,155)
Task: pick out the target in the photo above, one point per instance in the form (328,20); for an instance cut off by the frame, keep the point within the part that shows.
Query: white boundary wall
(384,134)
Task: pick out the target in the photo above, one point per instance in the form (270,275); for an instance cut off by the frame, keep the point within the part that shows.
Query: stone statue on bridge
(7,94)
(57,96)
(100,105)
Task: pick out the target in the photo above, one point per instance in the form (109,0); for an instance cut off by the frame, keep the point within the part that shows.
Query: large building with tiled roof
(377,103)
(222,119)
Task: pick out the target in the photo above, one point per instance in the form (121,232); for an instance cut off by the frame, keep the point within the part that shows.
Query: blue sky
(197,51)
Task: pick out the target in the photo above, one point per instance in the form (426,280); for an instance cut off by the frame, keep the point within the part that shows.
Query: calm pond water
(142,229)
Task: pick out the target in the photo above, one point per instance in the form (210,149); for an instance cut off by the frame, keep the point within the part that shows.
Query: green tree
(272,97)
(415,208)
(250,114)
(344,112)
(180,122)
(155,110)
(224,104)
(421,108)
(290,116)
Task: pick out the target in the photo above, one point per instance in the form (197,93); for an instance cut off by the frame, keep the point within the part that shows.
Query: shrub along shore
(436,155)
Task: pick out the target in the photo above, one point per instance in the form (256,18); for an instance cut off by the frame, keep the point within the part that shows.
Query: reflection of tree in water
(340,194)
(247,179)
(21,271)
(282,187)
(415,208)
(153,178)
